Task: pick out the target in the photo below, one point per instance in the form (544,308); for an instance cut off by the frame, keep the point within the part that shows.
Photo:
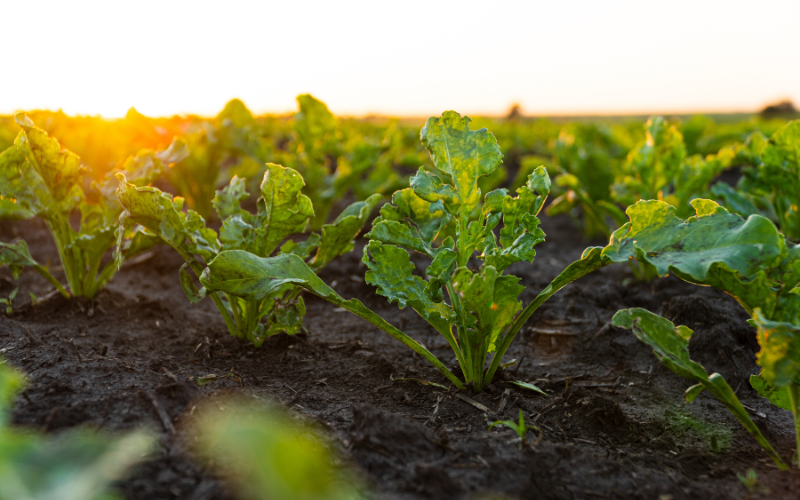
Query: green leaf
(776,395)
(715,248)
(529,386)
(77,465)
(268,454)
(11,382)
(283,211)
(654,163)
(60,171)
(303,248)
(16,256)
(390,270)
(410,222)
(492,299)
(337,237)
(671,346)
(417,381)
(460,153)
(161,215)
(251,277)
(314,123)
(521,230)
(227,201)
(670,343)
(692,392)
(779,357)
(189,288)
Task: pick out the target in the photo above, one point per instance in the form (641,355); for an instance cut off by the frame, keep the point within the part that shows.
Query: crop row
(654,201)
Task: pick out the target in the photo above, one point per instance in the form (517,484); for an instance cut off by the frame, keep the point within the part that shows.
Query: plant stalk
(360,310)
(794,401)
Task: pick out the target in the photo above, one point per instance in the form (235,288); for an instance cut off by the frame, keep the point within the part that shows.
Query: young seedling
(48,182)
(8,302)
(282,210)
(519,427)
(750,482)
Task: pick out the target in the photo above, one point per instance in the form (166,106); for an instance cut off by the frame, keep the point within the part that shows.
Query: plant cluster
(452,214)
(45,181)
(281,211)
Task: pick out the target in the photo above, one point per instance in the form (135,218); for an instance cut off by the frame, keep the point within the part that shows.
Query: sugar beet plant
(282,210)
(747,258)
(47,182)
(770,186)
(474,308)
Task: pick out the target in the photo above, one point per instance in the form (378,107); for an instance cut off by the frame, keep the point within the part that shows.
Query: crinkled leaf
(715,248)
(60,170)
(460,153)
(390,270)
(520,232)
(282,210)
(161,215)
(303,248)
(430,188)
(775,395)
(779,357)
(227,201)
(337,237)
(492,299)
(410,222)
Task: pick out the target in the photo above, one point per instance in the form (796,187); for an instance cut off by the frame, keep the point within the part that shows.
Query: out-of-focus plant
(8,302)
(234,141)
(49,182)
(265,454)
(770,185)
(589,157)
(519,427)
(76,465)
(282,210)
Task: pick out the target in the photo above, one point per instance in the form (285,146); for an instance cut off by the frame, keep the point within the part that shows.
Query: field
(175,307)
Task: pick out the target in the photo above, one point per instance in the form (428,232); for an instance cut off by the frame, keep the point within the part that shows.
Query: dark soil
(614,426)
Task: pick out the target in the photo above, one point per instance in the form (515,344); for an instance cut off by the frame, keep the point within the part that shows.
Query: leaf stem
(198,270)
(53,281)
(360,310)
(588,263)
(794,400)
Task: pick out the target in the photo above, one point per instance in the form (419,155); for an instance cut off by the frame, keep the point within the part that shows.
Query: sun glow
(408,58)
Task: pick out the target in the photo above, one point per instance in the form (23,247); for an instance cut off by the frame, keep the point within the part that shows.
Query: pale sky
(399,58)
